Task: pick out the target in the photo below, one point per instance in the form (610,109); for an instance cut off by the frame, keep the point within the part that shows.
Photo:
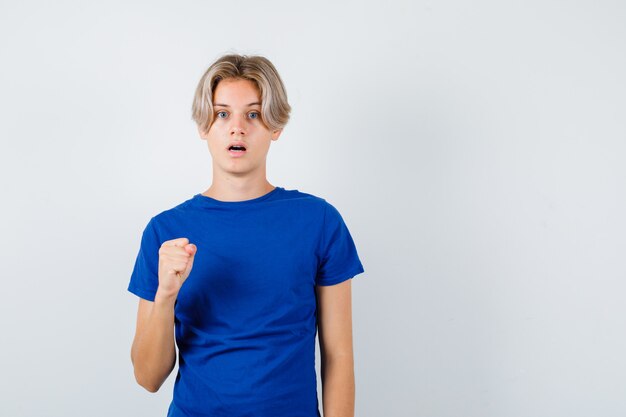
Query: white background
(475,150)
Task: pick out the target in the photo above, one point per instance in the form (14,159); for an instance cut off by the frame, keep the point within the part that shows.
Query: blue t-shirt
(245,318)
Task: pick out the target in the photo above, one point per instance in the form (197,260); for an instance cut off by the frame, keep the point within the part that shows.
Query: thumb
(191,250)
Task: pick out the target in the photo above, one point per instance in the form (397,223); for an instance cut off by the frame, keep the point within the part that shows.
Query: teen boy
(242,276)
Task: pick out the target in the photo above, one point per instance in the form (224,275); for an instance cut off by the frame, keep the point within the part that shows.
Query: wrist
(165,297)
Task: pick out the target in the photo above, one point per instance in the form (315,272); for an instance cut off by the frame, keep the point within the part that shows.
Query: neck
(238,189)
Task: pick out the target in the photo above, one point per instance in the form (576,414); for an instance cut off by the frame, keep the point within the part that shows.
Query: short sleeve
(339,259)
(144,279)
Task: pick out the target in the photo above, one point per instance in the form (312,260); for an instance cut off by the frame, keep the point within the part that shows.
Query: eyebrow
(226,105)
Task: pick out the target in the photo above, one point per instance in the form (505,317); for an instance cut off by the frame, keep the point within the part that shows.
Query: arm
(335,336)
(154,347)
(153,352)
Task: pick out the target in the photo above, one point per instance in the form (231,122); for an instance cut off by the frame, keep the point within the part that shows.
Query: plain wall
(475,150)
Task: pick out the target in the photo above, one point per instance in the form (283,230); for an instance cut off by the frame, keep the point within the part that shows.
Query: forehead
(235,92)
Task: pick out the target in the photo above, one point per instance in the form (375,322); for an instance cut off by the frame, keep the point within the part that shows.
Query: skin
(242,178)
(153,352)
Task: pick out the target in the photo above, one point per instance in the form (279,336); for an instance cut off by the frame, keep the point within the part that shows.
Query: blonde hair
(275,108)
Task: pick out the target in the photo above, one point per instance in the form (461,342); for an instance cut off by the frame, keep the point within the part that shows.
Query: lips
(237,147)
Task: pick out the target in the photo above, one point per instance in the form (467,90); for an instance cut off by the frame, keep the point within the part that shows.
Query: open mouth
(237,149)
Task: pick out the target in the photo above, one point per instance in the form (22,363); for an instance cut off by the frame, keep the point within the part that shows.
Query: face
(237,113)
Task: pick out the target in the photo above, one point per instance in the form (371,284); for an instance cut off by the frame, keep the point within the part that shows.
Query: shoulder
(295,194)
(311,203)
(307,198)
(170,214)
(315,200)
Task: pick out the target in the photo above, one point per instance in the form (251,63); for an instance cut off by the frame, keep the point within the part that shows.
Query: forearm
(154,352)
(338,389)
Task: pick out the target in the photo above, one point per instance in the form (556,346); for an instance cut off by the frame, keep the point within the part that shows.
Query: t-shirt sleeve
(339,259)
(144,279)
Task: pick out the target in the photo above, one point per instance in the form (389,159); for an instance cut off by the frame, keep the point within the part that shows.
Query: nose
(237,126)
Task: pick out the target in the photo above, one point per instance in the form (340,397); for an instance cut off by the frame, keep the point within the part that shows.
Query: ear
(202,133)
(276,134)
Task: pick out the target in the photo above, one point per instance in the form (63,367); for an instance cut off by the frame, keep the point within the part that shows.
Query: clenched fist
(175,263)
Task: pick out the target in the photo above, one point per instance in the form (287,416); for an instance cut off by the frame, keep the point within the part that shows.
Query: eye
(219,113)
(255,114)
